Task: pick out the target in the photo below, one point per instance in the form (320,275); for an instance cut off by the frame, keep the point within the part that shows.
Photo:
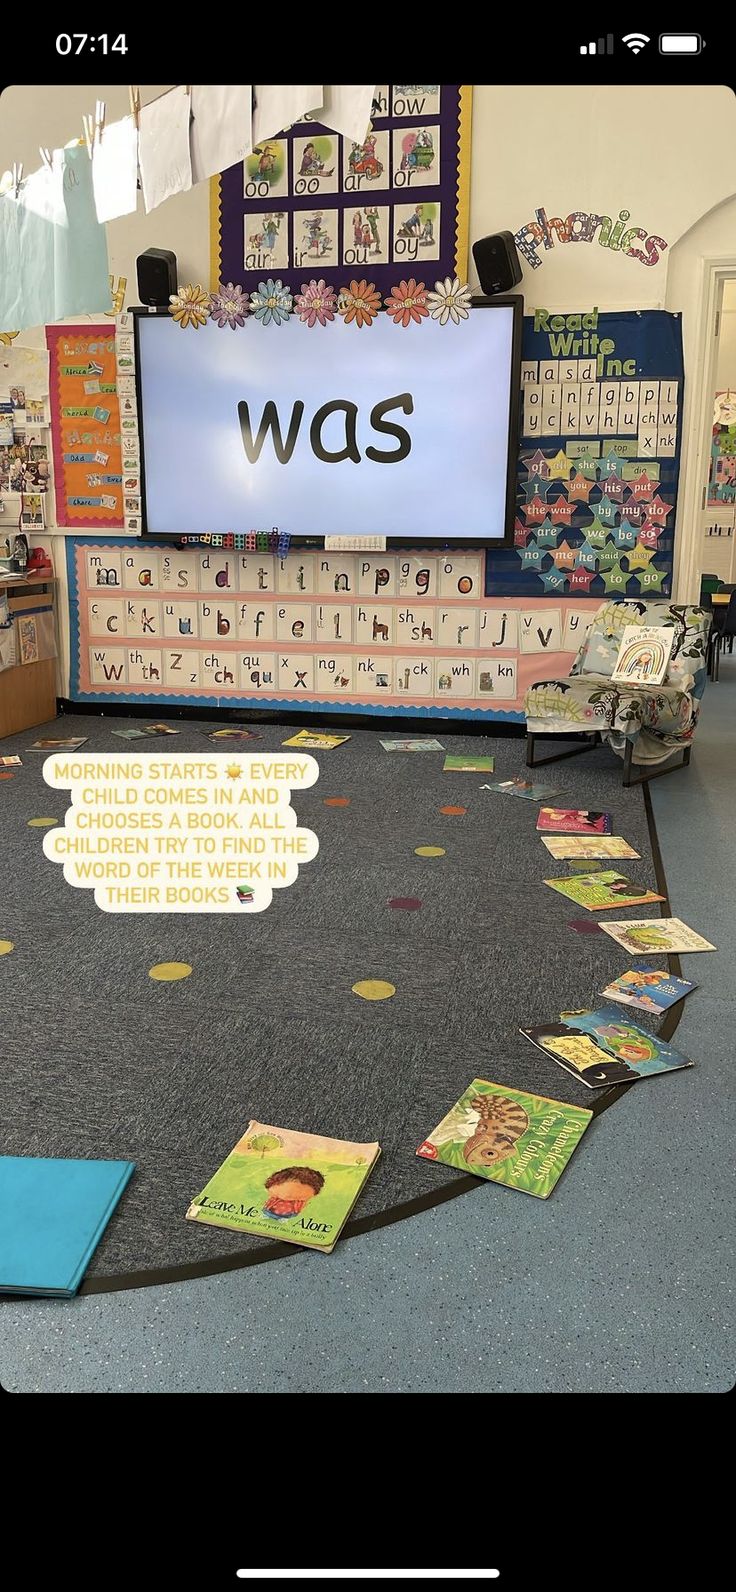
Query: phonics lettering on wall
(382,631)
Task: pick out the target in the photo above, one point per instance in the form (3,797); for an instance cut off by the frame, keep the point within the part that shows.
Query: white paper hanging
(115,170)
(163,147)
(220,129)
(346,108)
(276,107)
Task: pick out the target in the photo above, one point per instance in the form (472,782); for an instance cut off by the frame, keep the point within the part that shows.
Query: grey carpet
(98,1060)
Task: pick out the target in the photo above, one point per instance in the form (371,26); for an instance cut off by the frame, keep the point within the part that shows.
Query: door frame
(694,463)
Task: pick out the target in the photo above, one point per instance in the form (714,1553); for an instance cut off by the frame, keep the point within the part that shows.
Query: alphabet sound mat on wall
(381,633)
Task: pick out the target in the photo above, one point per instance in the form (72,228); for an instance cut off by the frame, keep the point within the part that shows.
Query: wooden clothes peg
(135,104)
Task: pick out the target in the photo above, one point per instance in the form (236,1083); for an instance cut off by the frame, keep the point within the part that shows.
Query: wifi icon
(635,41)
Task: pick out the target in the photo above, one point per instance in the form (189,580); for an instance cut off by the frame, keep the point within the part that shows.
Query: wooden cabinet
(28,690)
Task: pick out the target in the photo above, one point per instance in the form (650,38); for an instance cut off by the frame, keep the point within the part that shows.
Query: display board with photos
(310,203)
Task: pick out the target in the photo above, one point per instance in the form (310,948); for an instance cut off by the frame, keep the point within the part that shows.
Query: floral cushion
(657,719)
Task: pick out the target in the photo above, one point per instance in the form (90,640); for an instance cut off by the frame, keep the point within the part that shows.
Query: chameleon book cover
(276,1183)
(598,891)
(509,1136)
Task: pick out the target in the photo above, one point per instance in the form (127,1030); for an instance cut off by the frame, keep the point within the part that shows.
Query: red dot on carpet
(407,903)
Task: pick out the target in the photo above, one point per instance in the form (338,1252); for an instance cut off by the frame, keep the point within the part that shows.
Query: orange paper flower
(360,303)
(407,302)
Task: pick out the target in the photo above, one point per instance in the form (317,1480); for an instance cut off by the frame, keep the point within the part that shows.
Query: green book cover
(509,1136)
(297,1187)
(467,765)
(598,891)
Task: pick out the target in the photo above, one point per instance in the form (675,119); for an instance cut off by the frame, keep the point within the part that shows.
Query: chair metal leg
(656,773)
(591,739)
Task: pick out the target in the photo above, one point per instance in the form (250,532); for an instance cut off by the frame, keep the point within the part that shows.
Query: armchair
(645,725)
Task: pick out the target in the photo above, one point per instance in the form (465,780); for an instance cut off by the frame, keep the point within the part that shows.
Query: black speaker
(156,276)
(497,262)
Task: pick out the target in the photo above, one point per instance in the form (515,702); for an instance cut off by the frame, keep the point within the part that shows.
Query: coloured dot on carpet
(337,801)
(169,972)
(42,823)
(6,946)
(429,851)
(453,812)
(374,989)
(409,903)
(6,773)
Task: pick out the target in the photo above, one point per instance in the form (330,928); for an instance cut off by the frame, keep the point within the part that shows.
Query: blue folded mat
(52,1216)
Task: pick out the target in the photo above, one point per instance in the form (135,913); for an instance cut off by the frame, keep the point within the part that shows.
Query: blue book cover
(54,1213)
(648,988)
(603,1047)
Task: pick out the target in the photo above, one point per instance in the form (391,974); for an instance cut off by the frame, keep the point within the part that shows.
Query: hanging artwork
(599,459)
(311,204)
(722,481)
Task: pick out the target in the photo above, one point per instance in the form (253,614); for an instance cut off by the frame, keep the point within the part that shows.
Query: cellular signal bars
(603,47)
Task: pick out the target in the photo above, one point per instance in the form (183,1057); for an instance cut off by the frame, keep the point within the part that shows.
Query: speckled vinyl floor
(623,1285)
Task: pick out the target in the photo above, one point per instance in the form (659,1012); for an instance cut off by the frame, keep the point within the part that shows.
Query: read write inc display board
(404,431)
(309,202)
(599,460)
(379,633)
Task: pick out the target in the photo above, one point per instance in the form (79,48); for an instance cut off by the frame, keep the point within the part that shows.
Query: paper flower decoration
(316,302)
(8,338)
(229,306)
(190,306)
(271,302)
(450,301)
(407,302)
(360,302)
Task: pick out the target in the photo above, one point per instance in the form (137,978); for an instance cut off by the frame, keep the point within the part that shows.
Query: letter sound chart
(310,203)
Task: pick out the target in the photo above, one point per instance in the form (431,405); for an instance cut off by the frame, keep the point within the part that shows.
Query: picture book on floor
(573,821)
(600,1048)
(412,746)
(584,846)
(467,765)
(54,1213)
(69,743)
(522,1140)
(524,788)
(10,762)
(277,1183)
(655,934)
(319,740)
(160,729)
(643,655)
(132,734)
(232,733)
(648,989)
(597,891)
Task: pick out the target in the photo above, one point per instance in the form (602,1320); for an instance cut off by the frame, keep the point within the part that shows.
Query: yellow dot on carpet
(42,823)
(6,946)
(429,851)
(169,972)
(374,989)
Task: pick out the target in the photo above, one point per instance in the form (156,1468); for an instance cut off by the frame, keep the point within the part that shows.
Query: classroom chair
(645,725)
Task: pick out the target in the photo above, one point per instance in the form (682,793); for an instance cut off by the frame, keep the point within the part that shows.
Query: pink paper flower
(229,307)
(316,302)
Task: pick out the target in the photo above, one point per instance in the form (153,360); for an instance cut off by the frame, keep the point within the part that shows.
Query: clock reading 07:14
(75,43)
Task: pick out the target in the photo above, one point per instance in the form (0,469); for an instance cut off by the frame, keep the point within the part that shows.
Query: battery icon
(680,43)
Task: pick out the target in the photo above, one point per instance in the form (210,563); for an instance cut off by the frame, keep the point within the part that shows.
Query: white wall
(726,370)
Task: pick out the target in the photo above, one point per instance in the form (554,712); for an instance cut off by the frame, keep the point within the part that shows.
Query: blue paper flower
(271,302)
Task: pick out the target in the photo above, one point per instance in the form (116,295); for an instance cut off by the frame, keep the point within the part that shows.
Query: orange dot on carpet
(6,773)
(374,989)
(454,812)
(429,851)
(6,946)
(42,823)
(337,801)
(169,972)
